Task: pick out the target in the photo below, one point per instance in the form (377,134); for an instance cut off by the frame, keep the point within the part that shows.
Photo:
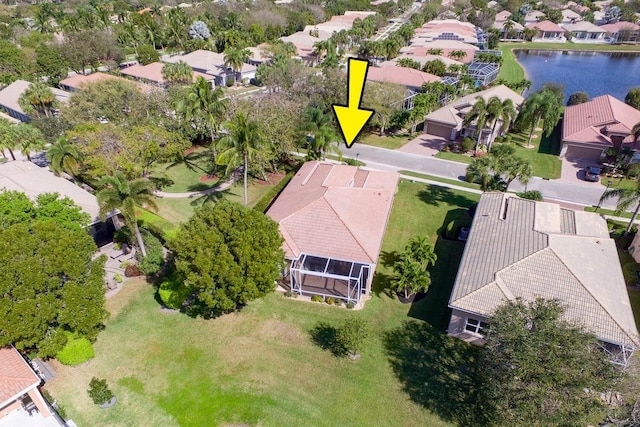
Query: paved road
(582,193)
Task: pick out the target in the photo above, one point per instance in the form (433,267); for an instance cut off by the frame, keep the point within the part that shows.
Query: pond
(597,73)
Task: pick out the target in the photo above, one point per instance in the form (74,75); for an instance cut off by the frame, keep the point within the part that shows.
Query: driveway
(424,145)
(573,169)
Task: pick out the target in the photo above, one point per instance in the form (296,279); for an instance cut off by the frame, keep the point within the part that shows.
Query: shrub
(353,162)
(288,294)
(77,350)
(530,195)
(317,298)
(468,144)
(54,404)
(450,230)
(350,305)
(338,302)
(172,291)
(330,300)
(99,391)
(118,278)
(230,82)
(152,263)
(351,335)
(122,236)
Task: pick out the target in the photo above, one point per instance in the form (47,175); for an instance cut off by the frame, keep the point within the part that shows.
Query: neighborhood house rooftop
(525,249)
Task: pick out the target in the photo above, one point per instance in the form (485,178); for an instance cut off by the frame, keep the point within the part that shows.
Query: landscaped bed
(259,366)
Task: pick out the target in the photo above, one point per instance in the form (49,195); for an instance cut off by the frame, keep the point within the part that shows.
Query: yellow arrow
(351,117)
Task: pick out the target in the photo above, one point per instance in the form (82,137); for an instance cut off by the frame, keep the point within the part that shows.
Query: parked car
(592,174)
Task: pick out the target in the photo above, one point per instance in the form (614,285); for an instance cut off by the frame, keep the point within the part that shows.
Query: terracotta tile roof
(503,16)
(153,72)
(583,122)
(16,376)
(525,249)
(546,26)
(447,28)
(420,47)
(335,211)
(401,75)
(621,25)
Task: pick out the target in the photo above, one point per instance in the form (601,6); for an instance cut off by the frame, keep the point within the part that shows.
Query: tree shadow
(161,181)
(438,372)
(388,259)
(551,144)
(201,186)
(380,285)
(213,197)
(433,308)
(324,336)
(435,194)
(190,161)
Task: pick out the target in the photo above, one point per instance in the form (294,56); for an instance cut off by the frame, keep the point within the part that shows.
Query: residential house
(513,31)
(570,17)
(212,63)
(333,218)
(523,249)
(152,73)
(422,60)
(446,29)
(585,32)
(21,402)
(533,17)
(448,121)
(483,73)
(421,47)
(259,55)
(621,32)
(547,32)
(410,78)
(589,129)
(304,43)
(31,179)
(10,95)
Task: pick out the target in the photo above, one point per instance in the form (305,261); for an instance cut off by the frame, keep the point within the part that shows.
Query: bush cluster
(172,292)
(77,350)
(152,263)
(99,391)
(317,298)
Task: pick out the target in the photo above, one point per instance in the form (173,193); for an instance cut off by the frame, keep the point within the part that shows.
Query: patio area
(21,418)
(117,260)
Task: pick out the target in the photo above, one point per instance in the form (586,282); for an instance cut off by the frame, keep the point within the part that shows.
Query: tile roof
(153,72)
(408,77)
(335,211)
(420,47)
(33,180)
(208,62)
(546,26)
(583,26)
(16,376)
(620,25)
(524,249)
(423,59)
(585,123)
(9,95)
(446,29)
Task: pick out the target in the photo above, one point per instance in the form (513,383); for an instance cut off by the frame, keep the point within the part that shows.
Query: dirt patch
(272,178)
(209,178)
(189,150)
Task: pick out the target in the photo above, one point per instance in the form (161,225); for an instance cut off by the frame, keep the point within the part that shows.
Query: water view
(597,73)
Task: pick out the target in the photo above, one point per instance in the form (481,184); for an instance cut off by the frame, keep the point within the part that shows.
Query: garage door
(582,153)
(438,129)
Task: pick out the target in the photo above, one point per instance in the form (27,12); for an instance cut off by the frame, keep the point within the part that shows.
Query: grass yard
(510,70)
(454,157)
(391,142)
(185,176)
(443,180)
(259,366)
(543,157)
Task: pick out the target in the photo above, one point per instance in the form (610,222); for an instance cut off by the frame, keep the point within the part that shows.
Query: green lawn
(543,156)
(392,142)
(510,69)
(260,366)
(443,180)
(185,176)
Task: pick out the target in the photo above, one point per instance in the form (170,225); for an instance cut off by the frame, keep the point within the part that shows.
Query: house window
(476,327)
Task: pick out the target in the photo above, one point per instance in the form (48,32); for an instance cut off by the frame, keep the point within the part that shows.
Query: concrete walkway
(220,187)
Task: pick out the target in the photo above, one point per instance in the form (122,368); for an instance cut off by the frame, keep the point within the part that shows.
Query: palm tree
(29,139)
(320,125)
(411,268)
(479,170)
(479,114)
(541,105)
(119,193)
(422,104)
(457,54)
(234,57)
(635,131)
(205,107)
(435,51)
(39,97)
(627,197)
(7,137)
(178,73)
(499,110)
(63,156)
(243,142)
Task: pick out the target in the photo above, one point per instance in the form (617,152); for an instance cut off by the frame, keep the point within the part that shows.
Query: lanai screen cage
(484,73)
(329,277)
